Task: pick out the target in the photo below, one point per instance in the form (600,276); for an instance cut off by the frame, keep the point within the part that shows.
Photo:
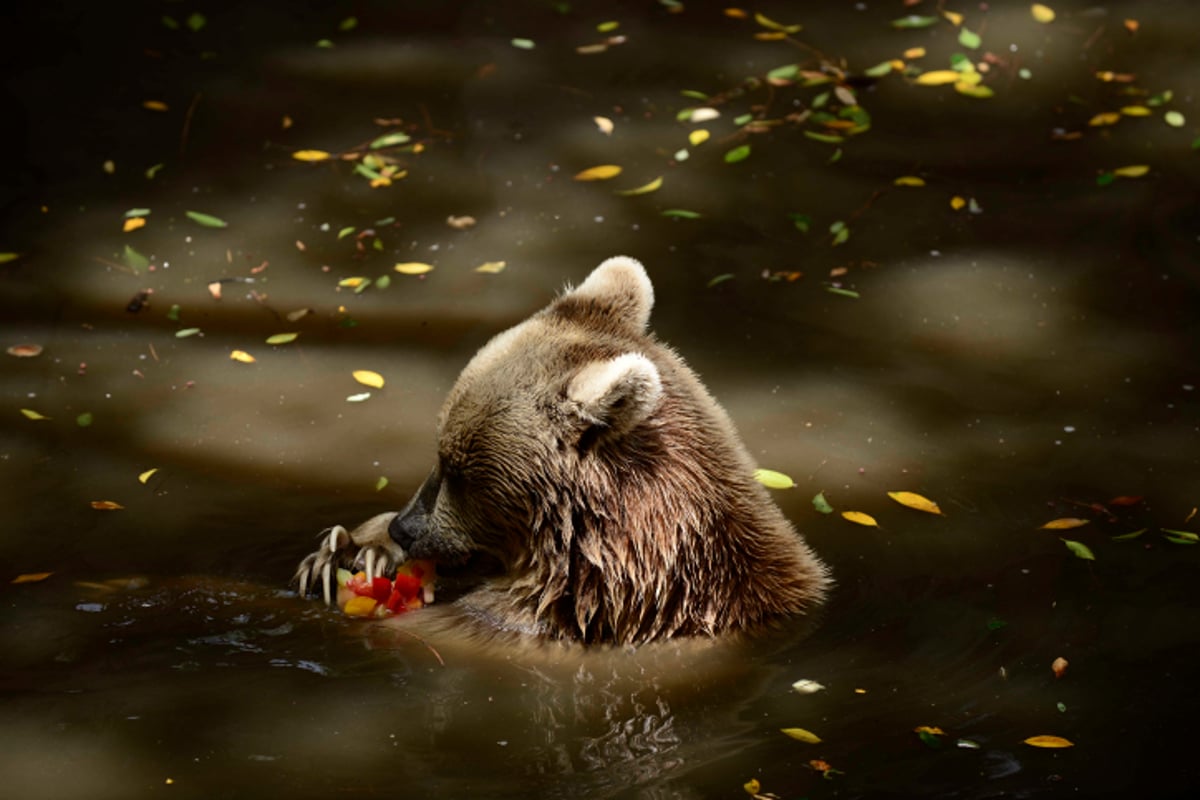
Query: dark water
(1018,362)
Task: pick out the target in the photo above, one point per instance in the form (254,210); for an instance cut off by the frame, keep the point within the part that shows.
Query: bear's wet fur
(591,462)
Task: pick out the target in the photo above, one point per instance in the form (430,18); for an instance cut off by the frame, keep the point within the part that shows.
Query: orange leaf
(133,223)
(32,577)
(1063,524)
(106,505)
(1048,741)
(1059,667)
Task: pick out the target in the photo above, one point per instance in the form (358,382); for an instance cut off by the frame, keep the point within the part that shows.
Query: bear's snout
(413,522)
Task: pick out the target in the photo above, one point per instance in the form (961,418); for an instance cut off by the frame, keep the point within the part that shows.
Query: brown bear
(587,459)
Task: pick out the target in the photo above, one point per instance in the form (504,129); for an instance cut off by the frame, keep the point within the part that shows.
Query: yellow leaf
(242,356)
(32,577)
(936,731)
(282,338)
(970,89)
(106,505)
(600,173)
(957,203)
(31,414)
(775,26)
(954,17)
(735,13)
(413,268)
(1104,118)
(145,476)
(752,786)
(939,77)
(859,518)
(772,479)
(1136,111)
(970,77)
(915,501)
(801,735)
(133,223)
(647,188)
(914,52)
(310,155)
(492,267)
(352,283)
(1041,13)
(1132,171)
(368,378)
(1063,524)
(698,137)
(155,105)
(1048,741)
(909,180)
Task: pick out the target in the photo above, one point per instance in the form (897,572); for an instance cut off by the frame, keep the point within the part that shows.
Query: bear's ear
(616,394)
(621,289)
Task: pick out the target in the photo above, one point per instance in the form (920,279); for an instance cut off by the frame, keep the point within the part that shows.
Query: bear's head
(590,461)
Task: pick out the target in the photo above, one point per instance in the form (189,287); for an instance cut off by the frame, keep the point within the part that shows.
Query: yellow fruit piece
(359,606)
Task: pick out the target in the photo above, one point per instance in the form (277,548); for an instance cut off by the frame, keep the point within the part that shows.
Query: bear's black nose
(414,521)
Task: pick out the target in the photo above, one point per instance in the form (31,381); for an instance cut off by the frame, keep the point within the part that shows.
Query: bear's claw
(368,547)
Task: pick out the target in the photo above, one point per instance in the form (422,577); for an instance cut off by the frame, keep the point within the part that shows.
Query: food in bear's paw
(380,597)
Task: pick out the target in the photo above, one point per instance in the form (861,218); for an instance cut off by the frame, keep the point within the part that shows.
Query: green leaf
(995,624)
(694,95)
(84,419)
(842,292)
(1174,118)
(367,172)
(381,483)
(134,260)
(6,257)
(879,70)
(170,23)
(969,39)
(929,739)
(960,62)
(743,119)
(726,276)
(1080,549)
(773,480)
(801,221)
(380,223)
(1178,539)
(739,153)
(784,73)
(681,213)
(137,212)
(383,282)
(152,171)
(348,24)
(820,100)
(827,138)
(841,237)
(390,140)
(523,44)
(1196,143)
(173,313)
(196,22)
(207,220)
(1186,536)
(821,504)
(1132,535)
(184,333)
(344,232)
(914,21)
(282,338)
(1105,178)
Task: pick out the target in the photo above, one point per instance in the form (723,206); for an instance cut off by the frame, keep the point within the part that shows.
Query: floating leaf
(368,378)
(859,518)
(915,501)
(31,577)
(242,356)
(698,137)
(647,188)
(703,114)
(145,476)
(954,17)
(1048,741)
(491,267)
(353,282)
(1174,118)
(739,153)
(801,735)
(772,479)
(184,333)
(85,419)
(599,173)
(358,398)
(134,260)
(393,139)
(1181,537)
(154,105)
(523,44)
(1041,13)
(133,224)
(7,257)
(879,70)
(914,21)
(1065,523)
(31,414)
(381,483)
(957,203)
(827,138)
(207,220)
(106,505)
(716,279)
(344,232)
(806,686)
(782,76)
(1136,111)
(413,268)
(752,786)
(311,155)
(1132,535)
(196,21)
(25,350)
(681,213)
(840,291)
(282,338)
(1104,118)
(1080,549)
(939,77)
(771,24)
(821,504)
(974,90)
(1133,171)
(969,39)
(909,180)
(1059,667)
